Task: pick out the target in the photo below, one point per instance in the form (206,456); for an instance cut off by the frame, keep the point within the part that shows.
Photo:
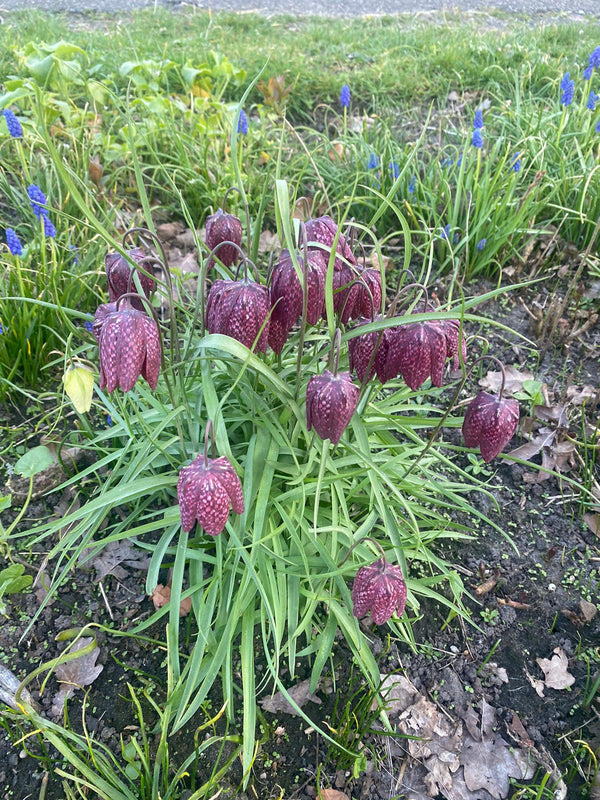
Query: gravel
(342,8)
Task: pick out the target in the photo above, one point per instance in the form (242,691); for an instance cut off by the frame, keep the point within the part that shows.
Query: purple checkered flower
(490,422)
(206,490)
(129,347)
(380,589)
(331,400)
(222,227)
(239,309)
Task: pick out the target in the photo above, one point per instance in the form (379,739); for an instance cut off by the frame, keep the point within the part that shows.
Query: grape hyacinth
(477,140)
(568,90)
(13,124)
(478,120)
(481,244)
(345,96)
(380,589)
(206,490)
(373,161)
(592,100)
(445,232)
(394,169)
(242,126)
(515,163)
(587,73)
(49,229)
(37,200)
(598,126)
(412,185)
(13,242)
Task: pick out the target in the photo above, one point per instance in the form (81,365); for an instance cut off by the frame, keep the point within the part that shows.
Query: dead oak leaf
(514,380)
(162,595)
(556,675)
(489,765)
(300,694)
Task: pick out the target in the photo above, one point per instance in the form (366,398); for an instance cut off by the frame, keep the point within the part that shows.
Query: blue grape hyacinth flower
(481,244)
(592,100)
(394,169)
(587,73)
(13,124)
(478,120)
(412,185)
(242,126)
(345,96)
(13,242)
(598,126)
(49,229)
(568,90)
(515,164)
(373,161)
(477,139)
(445,232)
(38,200)
(595,58)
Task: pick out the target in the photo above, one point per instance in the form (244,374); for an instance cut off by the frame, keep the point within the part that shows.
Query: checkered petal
(222,227)
(239,309)
(346,294)
(151,366)
(453,335)
(229,480)
(330,403)
(323,230)
(118,273)
(129,346)
(360,351)
(362,306)
(380,589)
(419,352)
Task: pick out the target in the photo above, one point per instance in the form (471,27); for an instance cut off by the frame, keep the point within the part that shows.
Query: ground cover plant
(261,417)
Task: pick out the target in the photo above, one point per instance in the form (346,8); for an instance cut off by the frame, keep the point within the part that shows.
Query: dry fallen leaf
(108,560)
(75,674)
(333,794)
(268,242)
(531,448)
(579,396)
(300,694)
(383,262)
(162,595)
(514,380)
(593,522)
(555,670)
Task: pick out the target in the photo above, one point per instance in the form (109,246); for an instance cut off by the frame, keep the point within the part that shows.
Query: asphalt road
(571,8)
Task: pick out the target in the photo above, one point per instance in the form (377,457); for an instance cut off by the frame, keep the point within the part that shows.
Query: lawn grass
(386,60)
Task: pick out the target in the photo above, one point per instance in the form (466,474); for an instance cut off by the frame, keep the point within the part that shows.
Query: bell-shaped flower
(206,490)
(380,589)
(120,280)
(331,399)
(360,351)
(417,351)
(368,300)
(100,315)
(239,309)
(323,230)
(490,423)
(287,296)
(346,293)
(454,336)
(129,346)
(222,227)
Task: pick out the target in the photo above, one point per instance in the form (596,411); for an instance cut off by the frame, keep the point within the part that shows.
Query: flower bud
(323,230)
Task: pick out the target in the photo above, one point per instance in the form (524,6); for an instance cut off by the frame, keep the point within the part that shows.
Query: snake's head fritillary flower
(101,314)
(454,338)
(120,279)
(368,299)
(361,348)
(331,400)
(380,589)
(345,96)
(129,346)
(239,309)
(222,227)
(206,491)
(490,423)
(13,124)
(417,351)
(324,230)
(287,294)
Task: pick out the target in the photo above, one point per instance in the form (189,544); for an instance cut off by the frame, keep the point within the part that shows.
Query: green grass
(389,61)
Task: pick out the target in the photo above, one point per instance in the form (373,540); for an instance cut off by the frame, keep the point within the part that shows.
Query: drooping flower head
(13,124)
(331,400)
(345,96)
(380,589)
(129,347)
(222,227)
(206,490)
(478,119)
(361,350)
(568,90)
(490,423)
(120,279)
(477,140)
(286,293)
(239,309)
(13,242)
(242,126)
(323,230)
(368,294)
